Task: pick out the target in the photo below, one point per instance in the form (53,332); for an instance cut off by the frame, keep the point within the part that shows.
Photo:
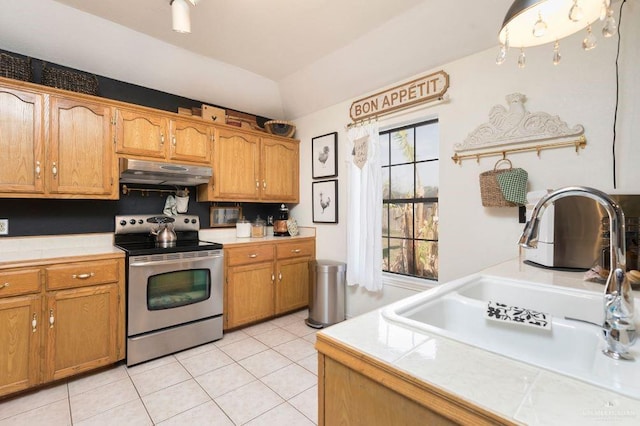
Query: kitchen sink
(571,346)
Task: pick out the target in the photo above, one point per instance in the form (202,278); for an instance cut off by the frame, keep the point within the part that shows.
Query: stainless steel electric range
(174,289)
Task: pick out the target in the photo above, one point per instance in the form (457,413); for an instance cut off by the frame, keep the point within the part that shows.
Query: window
(410,167)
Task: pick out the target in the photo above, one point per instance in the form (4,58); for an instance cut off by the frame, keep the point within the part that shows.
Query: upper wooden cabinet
(248,167)
(280,170)
(81,161)
(21,141)
(143,133)
(55,146)
(191,141)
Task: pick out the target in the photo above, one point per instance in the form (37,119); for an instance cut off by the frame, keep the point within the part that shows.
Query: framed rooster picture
(325,201)
(325,156)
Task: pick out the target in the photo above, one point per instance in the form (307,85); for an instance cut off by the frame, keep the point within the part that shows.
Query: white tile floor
(261,375)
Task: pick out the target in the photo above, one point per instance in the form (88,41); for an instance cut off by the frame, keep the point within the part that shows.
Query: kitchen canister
(258,228)
(243,228)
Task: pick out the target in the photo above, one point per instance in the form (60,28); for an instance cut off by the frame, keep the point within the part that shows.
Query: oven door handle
(172,261)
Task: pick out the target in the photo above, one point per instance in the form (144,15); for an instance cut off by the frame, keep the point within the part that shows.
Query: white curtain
(364,216)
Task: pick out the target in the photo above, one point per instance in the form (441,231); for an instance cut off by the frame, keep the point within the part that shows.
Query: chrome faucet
(618,326)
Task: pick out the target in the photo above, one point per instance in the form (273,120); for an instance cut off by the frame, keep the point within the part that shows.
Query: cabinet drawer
(82,274)
(249,254)
(295,249)
(22,281)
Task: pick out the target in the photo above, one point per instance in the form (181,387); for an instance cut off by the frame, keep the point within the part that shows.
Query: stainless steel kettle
(164,233)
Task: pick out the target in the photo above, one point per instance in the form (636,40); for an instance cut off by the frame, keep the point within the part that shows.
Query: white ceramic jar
(243,228)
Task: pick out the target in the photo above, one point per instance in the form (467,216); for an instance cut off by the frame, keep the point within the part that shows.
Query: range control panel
(140,224)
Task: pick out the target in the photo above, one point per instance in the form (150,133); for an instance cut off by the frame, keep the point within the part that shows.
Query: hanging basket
(490,191)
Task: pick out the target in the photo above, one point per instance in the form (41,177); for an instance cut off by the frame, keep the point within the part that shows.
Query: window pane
(426,215)
(385,254)
(427,179)
(402,150)
(385,220)
(385,183)
(401,256)
(426,259)
(401,220)
(384,149)
(427,142)
(402,181)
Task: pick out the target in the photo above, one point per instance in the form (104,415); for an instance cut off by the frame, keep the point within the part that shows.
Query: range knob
(123,222)
(132,221)
(186,220)
(140,221)
(193,221)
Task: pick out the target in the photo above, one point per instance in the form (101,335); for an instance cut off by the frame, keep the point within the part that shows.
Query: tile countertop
(15,250)
(514,390)
(227,236)
(25,249)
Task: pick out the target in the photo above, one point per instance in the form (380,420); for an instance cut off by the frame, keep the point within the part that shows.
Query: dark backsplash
(29,217)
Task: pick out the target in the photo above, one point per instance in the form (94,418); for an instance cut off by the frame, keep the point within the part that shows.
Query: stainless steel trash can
(326,305)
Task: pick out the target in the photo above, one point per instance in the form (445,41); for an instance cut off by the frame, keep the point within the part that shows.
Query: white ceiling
(271,38)
(302,45)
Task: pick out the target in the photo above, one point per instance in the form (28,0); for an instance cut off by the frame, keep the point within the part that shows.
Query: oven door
(165,290)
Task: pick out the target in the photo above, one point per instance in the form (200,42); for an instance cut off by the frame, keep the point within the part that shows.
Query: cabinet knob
(54,169)
(257,184)
(295,251)
(52,320)
(34,323)
(173,140)
(83,276)
(280,276)
(4,285)
(264,184)
(253,256)
(37,170)
(161,138)
(273,278)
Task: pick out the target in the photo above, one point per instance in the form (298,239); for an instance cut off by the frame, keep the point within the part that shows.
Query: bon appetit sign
(421,90)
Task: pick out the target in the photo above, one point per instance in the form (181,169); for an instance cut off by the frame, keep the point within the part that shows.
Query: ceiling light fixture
(180,15)
(535,22)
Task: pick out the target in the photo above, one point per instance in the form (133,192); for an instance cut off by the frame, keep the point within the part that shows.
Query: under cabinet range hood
(158,173)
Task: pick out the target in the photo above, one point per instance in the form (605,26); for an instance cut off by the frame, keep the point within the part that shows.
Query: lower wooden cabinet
(249,293)
(59,319)
(80,330)
(266,279)
(20,340)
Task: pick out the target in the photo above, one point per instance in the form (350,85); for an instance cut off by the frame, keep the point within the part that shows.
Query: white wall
(581,90)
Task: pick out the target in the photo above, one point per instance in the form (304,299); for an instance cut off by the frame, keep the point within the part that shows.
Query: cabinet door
(81,330)
(292,284)
(20,335)
(236,166)
(280,170)
(81,158)
(191,141)
(21,141)
(249,293)
(141,133)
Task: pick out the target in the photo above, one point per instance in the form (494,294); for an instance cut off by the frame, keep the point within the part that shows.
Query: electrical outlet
(4,226)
